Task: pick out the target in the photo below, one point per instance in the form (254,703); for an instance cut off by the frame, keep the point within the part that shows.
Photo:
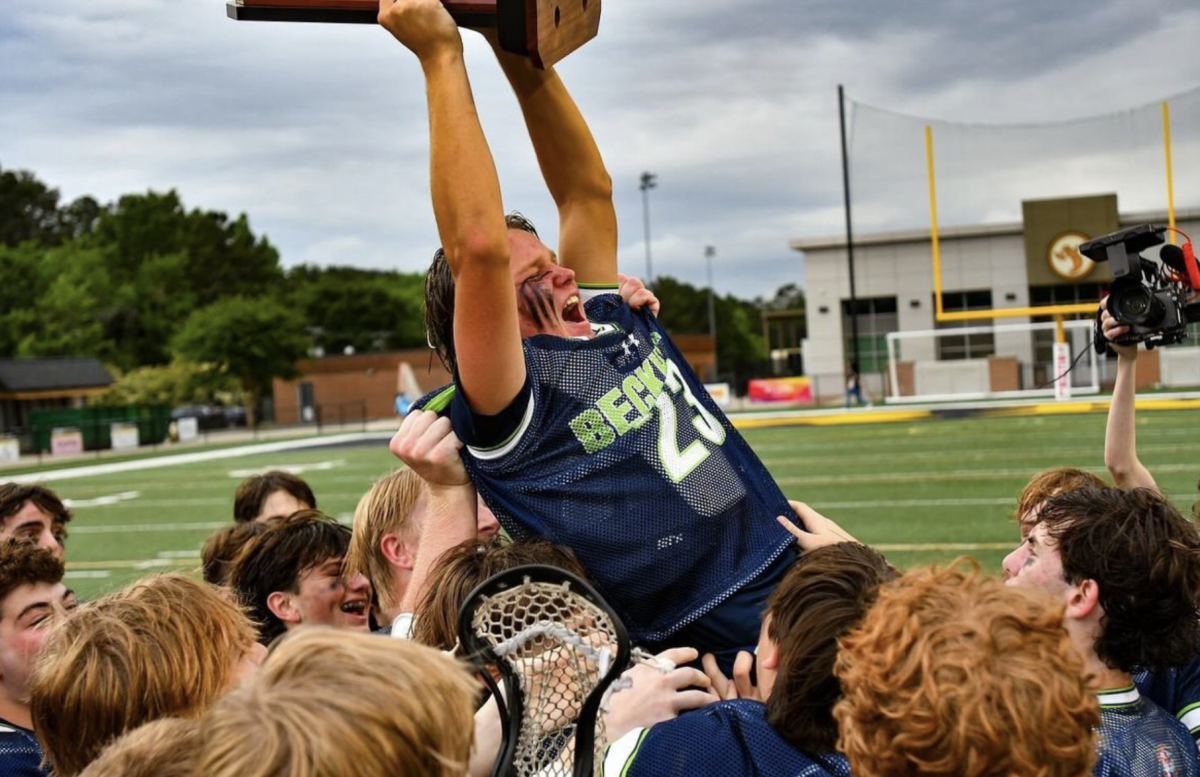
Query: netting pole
(1166,114)
(849,231)
(933,227)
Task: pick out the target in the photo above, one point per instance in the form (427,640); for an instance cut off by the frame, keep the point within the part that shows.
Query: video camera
(1156,298)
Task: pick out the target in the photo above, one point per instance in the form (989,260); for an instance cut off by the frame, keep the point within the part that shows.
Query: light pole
(709,253)
(649,181)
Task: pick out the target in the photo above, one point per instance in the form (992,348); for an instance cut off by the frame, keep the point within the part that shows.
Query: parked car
(210,417)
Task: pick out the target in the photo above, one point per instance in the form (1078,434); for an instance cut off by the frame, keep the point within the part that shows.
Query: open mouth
(355,607)
(573,311)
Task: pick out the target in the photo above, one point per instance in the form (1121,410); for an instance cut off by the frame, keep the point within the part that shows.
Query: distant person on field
(165,646)
(953,675)
(1126,567)
(854,386)
(292,575)
(410,517)
(32,599)
(35,514)
(271,494)
(403,404)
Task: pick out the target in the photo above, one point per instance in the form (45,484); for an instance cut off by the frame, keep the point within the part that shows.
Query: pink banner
(781,390)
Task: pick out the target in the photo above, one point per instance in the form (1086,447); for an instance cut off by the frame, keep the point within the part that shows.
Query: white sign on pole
(188,428)
(124,436)
(10,449)
(720,392)
(1062,367)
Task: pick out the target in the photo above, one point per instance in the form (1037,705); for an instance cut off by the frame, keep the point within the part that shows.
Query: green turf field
(923,491)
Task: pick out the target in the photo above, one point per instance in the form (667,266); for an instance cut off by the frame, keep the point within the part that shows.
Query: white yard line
(193,458)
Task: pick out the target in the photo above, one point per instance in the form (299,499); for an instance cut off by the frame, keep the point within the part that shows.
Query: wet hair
(1049,482)
(276,560)
(955,675)
(824,595)
(459,570)
(439,299)
(168,747)
(386,509)
(252,493)
(24,564)
(339,703)
(13,497)
(1145,558)
(165,646)
(222,547)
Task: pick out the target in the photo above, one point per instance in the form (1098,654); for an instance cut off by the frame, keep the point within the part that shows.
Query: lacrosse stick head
(557,646)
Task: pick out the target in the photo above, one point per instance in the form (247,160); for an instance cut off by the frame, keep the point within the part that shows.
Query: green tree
(741,352)
(30,211)
(178,383)
(364,309)
(64,312)
(251,340)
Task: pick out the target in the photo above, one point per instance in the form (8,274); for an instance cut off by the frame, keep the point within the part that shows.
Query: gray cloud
(319,132)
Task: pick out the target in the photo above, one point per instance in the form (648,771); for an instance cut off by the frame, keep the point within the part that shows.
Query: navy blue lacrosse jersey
(616,450)
(1137,738)
(1176,690)
(20,753)
(726,739)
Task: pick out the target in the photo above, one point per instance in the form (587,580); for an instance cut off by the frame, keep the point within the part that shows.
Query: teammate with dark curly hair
(954,675)
(1126,566)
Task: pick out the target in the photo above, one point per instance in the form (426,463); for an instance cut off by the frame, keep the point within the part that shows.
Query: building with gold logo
(1033,263)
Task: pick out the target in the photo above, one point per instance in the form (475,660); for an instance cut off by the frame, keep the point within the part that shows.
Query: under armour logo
(630,344)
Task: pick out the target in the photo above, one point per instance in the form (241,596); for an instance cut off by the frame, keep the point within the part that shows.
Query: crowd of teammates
(576,436)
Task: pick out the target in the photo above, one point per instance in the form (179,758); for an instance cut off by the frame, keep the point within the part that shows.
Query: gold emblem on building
(1065,259)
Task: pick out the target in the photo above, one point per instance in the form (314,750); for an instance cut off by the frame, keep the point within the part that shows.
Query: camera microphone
(1172,256)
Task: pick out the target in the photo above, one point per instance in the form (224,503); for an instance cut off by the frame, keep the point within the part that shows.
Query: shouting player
(583,422)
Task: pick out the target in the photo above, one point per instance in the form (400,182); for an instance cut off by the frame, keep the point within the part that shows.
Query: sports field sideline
(922,490)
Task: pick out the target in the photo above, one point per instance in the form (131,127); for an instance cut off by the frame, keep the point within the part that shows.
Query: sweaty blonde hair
(954,675)
(166,646)
(339,703)
(168,747)
(385,509)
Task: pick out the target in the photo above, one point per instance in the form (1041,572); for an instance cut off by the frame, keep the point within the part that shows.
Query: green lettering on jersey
(592,430)
(651,381)
(616,408)
(633,389)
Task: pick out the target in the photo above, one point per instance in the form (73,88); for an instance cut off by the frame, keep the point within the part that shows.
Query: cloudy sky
(318,132)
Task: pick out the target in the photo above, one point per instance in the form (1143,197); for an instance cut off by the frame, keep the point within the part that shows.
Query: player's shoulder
(1176,690)
(20,753)
(730,739)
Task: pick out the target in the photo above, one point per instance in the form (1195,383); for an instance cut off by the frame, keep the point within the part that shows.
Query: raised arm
(1120,435)
(426,444)
(468,208)
(571,166)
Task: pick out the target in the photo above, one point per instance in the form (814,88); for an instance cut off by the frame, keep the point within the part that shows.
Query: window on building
(876,317)
(1042,296)
(972,346)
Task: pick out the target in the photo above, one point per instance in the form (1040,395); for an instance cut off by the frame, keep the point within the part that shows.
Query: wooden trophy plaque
(544,30)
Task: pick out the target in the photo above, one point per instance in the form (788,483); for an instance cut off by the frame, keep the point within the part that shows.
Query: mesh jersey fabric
(1176,690)
(1137,738)
(726,739)
(20,753)
(621,455)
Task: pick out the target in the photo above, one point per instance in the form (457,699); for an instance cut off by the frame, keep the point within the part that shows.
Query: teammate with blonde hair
(411,517)
(332,703)
(166,646)
(954,675)
(168,747)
